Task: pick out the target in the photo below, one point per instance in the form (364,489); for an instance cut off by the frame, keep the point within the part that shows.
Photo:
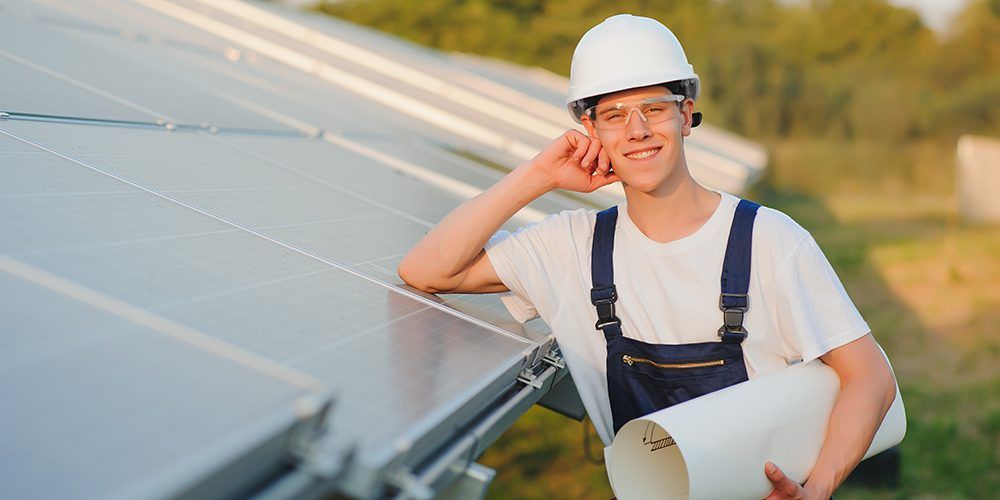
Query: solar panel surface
(204,206)
(230,235)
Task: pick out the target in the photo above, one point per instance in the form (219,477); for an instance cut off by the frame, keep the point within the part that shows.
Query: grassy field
(929,286)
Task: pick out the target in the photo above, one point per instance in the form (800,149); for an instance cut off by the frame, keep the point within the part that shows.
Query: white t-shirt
(668,293)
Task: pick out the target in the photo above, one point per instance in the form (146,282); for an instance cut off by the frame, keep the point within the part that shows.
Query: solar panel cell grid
(100,402)
(131,77)
(30,89)
(175,260)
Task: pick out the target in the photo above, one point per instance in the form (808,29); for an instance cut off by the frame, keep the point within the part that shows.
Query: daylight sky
(935,13)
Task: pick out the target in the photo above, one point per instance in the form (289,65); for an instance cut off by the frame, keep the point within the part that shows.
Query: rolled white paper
(715,446)
(607,466)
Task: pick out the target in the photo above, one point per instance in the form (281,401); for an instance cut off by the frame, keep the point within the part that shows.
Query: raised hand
(575,162)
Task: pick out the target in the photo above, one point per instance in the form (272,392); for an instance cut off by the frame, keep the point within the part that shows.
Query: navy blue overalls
(642,377)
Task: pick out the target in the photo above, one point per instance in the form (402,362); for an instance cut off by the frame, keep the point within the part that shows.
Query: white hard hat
(626,52)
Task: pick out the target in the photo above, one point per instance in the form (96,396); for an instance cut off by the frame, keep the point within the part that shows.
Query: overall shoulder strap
(734,301)
(603,295)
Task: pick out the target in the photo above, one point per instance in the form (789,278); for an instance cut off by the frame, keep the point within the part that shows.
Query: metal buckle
(728,335)
(605,309)
(732,317)
(605,313)
(599,295)
(613,321)
(604,299)
(722,301)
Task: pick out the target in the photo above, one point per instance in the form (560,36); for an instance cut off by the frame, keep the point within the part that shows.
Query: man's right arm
(450,257)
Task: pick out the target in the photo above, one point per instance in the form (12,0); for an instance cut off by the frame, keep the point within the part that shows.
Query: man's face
(644,154)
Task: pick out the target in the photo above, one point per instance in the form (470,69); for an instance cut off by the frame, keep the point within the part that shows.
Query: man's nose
(637,129)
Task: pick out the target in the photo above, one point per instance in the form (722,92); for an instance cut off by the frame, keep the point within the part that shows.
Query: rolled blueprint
(715,446)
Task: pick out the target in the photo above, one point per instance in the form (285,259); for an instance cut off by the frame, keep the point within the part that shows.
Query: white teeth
(643,154)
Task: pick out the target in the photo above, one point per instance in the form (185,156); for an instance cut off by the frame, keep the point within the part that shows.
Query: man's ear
(687,110)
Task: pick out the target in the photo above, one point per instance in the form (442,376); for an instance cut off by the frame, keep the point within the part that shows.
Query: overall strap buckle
(734,306)
(735,281)
(604,299)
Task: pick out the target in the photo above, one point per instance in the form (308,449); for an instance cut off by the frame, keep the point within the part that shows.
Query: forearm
(863,402)
(456,240)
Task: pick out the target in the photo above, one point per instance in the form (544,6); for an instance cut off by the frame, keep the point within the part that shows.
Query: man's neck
(673,212)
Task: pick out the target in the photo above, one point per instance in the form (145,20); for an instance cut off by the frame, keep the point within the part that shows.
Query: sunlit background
(861,105)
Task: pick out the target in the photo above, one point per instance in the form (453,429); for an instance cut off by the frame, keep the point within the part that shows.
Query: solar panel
(103,401)
(31,88)
(204,207)
(331,212)
(162,93)
(201,258)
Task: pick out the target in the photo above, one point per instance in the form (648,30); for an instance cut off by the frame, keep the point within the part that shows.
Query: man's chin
(639,186)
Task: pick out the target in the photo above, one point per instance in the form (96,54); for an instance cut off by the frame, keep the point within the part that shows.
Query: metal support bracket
(316,456)
(528,377)
(554,358)
(409,485)
(471,485)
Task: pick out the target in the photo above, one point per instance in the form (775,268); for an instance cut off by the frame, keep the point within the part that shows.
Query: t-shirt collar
(717,222)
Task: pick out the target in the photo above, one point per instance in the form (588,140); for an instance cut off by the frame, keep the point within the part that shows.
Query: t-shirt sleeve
(519,308)
(814,312)
(530,262)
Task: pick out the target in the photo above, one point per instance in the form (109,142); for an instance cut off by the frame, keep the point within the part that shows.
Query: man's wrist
(535,178)
(819,486)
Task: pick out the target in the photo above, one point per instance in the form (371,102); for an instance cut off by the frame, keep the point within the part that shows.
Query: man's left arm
(867,389)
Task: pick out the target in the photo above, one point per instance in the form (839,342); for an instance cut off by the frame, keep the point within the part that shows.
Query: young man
(647,273)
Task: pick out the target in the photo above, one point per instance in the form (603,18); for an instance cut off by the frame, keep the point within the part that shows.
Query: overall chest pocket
(644,378)
(667,372)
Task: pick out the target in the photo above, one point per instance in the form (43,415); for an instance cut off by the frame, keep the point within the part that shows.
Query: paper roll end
(648,463)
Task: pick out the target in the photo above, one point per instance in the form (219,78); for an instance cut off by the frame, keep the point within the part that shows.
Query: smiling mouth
(639,155)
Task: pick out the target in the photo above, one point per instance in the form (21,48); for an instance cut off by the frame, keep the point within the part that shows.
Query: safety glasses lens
(617,115)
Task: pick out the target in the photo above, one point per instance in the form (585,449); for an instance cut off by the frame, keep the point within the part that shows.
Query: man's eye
(655,110)
(614,116)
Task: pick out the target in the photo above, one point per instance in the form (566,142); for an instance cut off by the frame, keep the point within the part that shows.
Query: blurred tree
(967,75)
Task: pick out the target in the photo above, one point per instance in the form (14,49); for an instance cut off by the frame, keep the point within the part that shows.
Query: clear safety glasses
(615,116)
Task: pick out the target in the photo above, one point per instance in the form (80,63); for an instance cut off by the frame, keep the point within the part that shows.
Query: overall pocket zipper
(629,360)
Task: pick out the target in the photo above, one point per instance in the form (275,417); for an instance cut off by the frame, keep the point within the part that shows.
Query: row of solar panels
(203,204)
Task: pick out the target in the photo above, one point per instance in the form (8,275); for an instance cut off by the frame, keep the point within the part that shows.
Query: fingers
(603,162)
(783,486)
(585,150)
(599,181)
(578,143)
(774,473)
(593,149)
